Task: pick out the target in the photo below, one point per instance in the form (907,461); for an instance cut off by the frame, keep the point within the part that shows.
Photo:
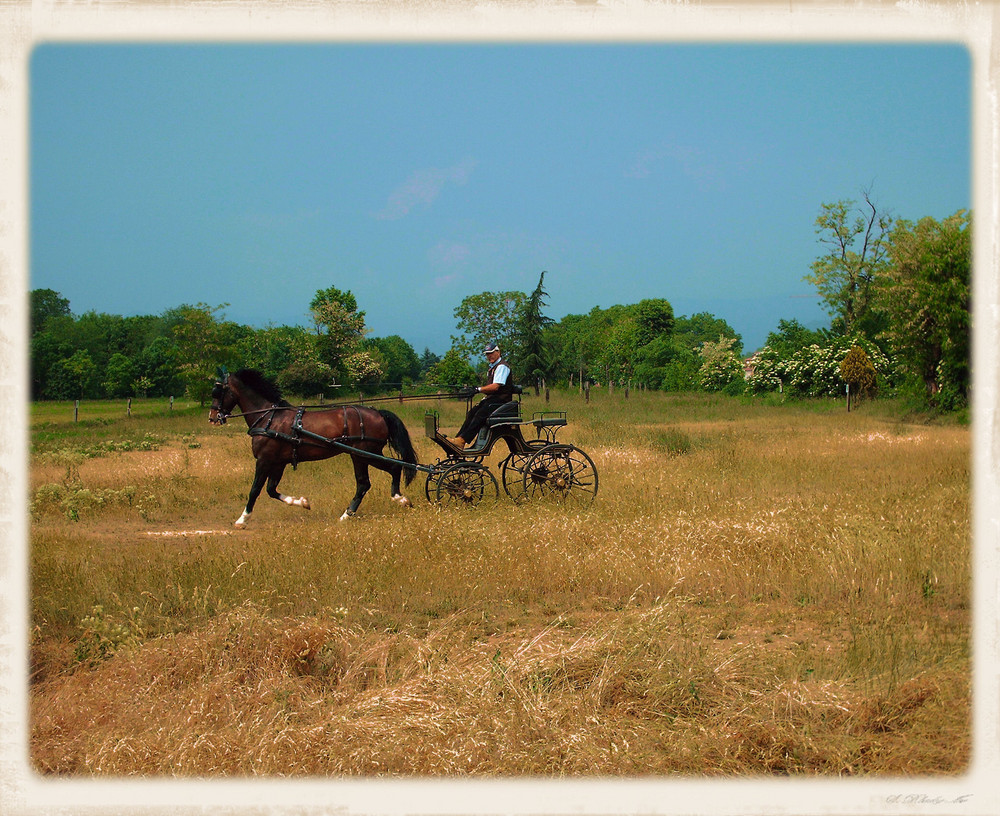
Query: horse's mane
(256,381)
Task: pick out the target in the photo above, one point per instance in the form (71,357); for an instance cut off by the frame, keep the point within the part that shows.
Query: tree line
(897,292)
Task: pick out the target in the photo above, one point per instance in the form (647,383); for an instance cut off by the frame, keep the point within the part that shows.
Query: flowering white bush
(815,370)
(721,365)
(363,366)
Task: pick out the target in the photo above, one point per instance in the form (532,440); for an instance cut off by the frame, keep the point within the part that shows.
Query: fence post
(627,386)
(128,408)
(76,411)
(586,392)
(400,394)
(171,403)
(546,396)
(848,385)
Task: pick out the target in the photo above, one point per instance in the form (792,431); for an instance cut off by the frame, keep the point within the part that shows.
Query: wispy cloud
(448,253)
(423,187)
(691,161)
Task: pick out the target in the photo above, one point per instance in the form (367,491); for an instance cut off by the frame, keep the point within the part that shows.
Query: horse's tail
(399,441)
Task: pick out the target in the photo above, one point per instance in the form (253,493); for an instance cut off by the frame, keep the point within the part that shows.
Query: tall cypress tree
(533,358)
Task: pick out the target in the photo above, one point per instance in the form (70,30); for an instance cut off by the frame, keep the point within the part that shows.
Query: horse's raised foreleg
(272,489)
(363,482)
(260,476)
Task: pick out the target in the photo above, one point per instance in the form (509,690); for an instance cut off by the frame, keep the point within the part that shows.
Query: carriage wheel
(430,486)
(512,470)
(562,473)
(466,484)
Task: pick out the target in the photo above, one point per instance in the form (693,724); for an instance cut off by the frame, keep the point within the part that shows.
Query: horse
(283,434)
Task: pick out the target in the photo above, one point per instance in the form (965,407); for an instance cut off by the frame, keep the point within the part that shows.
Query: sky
(415,175)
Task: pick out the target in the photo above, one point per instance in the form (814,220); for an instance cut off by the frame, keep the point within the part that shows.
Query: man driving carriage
(498,388)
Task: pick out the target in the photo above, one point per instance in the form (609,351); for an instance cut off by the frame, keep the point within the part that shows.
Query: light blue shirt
(501,374)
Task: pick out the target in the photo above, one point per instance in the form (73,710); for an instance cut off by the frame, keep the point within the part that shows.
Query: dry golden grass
(757,590)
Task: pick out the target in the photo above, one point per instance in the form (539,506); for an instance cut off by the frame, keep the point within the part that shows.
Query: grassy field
(759,589)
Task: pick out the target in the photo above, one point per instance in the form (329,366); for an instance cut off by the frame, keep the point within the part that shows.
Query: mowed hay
(754,592)
(254,695)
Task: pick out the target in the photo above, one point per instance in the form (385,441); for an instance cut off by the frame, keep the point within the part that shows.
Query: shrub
(858,372)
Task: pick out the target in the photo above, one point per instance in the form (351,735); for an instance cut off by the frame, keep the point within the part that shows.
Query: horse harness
(300,434)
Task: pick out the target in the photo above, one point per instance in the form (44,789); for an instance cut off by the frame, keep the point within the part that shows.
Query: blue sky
(415,175)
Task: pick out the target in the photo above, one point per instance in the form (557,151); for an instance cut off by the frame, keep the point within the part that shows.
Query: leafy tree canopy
(487,317)
(926,297)
(46,303)
(857,243)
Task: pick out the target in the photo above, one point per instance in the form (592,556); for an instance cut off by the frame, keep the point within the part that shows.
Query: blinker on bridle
(219,393)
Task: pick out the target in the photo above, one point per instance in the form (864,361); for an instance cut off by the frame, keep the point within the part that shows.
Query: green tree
(620,349)
(703,327)
(654,360)
(452,371)
(791,336)
(532,354)
(654,318)
(487,317)
(304,370)
(45,304)
(578,346)
(73,377)
(925,295)
(157,367)
(340,328)
(200,349)
(47,349)
(857,242)
(119,376)
(427,361)
(399,360)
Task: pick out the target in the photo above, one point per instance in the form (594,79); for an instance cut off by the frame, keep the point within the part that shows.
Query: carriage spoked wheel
(561,473)
(465,484)
(512,469)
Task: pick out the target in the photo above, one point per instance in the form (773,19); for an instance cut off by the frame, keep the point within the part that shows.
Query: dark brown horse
(283,434)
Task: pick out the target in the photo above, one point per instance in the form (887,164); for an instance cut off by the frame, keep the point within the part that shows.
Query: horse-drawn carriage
(283,434)
(533,468)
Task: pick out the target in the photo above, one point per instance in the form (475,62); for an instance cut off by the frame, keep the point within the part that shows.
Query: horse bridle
(219,391)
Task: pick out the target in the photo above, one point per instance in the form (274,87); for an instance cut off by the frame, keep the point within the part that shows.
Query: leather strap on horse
(299,432)
(361,424)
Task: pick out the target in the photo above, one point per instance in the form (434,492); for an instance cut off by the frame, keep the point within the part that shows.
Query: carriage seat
(505,414)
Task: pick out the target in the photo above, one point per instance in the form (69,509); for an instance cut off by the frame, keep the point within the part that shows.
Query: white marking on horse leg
(291,501)
(399,497)
(347,515)
(242,520)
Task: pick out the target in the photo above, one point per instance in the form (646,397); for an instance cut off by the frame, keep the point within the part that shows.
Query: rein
(223,417)
(329,406)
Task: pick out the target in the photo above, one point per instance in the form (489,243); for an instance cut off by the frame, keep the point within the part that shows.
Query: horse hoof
(304,503)
(402,500)
(346,515)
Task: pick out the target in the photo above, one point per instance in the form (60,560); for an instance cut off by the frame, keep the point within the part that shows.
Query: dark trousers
(476,418)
